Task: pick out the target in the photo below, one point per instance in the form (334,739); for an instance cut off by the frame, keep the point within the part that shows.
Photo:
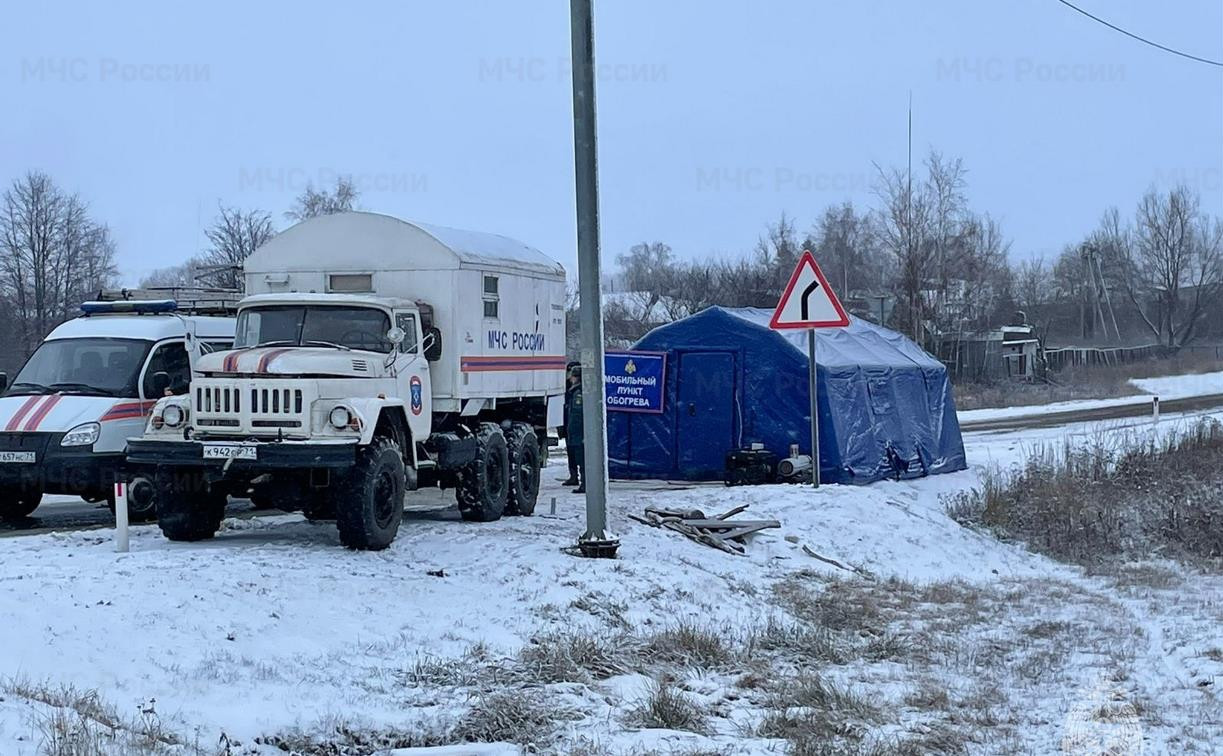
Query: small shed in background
(886,409)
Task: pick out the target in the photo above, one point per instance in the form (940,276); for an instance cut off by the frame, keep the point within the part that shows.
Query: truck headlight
(339,417)
(84,434)
(173,416)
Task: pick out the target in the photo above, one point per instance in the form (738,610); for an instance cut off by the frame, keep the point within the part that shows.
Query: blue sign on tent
(634,381)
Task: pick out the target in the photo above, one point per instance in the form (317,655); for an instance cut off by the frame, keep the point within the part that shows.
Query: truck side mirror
(3,381)
(161,382)
(433,344)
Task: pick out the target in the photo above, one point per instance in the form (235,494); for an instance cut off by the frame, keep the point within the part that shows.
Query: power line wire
(1144,40)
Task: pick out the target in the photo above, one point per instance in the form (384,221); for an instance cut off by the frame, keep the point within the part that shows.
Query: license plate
(25,457)
(230,451)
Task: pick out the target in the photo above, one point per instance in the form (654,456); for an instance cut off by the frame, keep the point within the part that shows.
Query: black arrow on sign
(807,292)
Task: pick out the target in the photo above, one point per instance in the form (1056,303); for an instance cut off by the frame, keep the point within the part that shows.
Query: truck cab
(373,356)
(66,415)
(301,363)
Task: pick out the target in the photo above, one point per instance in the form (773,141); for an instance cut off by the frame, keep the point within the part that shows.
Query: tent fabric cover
(885,405)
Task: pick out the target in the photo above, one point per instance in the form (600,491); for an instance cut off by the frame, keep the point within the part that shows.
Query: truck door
(413,369)
(705,416)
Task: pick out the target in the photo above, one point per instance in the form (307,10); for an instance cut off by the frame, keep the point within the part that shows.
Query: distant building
(1011,352)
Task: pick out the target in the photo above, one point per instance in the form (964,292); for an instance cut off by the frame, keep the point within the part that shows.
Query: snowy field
(1165,387)
(930,638)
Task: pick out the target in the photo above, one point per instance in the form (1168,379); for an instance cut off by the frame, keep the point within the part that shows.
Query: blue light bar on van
(139,306)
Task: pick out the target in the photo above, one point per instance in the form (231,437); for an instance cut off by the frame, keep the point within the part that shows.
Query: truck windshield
(97,366)
(362,328)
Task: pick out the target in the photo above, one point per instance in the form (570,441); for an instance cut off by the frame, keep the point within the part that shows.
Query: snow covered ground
(272,631)
(1177,386)
(1165,387)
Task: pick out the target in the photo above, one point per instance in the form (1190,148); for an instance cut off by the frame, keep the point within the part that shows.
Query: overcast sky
(714,117)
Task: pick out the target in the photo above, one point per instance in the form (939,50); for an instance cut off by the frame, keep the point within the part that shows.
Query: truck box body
(498,303)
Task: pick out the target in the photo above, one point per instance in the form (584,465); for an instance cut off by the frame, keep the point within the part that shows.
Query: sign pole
(812,382)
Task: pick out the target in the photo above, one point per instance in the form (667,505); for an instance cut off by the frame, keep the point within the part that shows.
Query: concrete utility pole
(597,541)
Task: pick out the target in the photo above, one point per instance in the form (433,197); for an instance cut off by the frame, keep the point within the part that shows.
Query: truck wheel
(17,502)
(523,447)
(369,499)
(484,483)
(141,500)
(187,509)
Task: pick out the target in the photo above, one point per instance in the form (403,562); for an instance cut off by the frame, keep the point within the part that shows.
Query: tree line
(54,254)
(922,260)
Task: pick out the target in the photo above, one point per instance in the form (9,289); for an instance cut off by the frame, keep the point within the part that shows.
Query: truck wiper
(320,342)
(37,387)
(273,342)
(80,388)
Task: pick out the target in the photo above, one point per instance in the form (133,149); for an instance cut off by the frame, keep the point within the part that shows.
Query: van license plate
(25,457)
(230,451)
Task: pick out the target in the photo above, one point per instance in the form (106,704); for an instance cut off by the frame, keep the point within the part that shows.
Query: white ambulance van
(66,416)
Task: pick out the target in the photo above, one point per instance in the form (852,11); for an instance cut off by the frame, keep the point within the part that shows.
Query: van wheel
(141,500)
(369,499)
(484,483)
(523,447)
(17,502)
(188,509)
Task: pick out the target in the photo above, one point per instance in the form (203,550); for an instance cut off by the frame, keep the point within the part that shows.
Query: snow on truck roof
(144,327)
(361,241)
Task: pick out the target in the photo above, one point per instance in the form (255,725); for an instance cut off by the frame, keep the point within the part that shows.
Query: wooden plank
(729,524)
(732,513)
(740,532)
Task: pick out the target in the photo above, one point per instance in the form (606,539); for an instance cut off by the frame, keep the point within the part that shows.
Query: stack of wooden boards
(719,532)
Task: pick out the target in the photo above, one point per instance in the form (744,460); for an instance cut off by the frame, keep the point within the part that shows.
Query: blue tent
(885,404)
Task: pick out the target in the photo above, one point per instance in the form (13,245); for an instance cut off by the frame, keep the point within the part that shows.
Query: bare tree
(902,224)
(1171,261)
(843,243)
(778,251)
(649,275)
(314,202)
(232,237)
(184,274)
(52,255)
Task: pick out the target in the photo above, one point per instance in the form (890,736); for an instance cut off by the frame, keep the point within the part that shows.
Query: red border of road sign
(807,257)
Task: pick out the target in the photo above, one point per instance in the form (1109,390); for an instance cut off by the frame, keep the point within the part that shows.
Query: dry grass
(1101,382)
(665,706)
(577,656)
(74,722)
(523,716)
(690,644)
(812,712)
(1099,503)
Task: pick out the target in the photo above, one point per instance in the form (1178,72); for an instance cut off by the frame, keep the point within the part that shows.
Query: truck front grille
(250,406)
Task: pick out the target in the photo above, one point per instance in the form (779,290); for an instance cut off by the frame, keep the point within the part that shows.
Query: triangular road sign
(808,301)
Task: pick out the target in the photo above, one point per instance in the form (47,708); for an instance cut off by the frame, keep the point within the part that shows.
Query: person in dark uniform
(563,430)
(573,428)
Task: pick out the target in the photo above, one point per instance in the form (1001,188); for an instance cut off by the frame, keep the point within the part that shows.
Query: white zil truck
(372,357)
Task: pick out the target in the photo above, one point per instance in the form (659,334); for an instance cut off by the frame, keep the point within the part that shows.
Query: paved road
(66,513)
(1137,408)
(60,513)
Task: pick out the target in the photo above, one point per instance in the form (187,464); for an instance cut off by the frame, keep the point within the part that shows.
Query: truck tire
(17,503)
(523,447)
(369,498)
(484,483)
(187,509)
(141,500)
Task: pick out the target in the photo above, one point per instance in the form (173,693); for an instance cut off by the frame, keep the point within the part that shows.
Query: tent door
(705,412)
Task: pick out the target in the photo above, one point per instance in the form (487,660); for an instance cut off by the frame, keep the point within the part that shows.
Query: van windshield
(362,328)
(95,366)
